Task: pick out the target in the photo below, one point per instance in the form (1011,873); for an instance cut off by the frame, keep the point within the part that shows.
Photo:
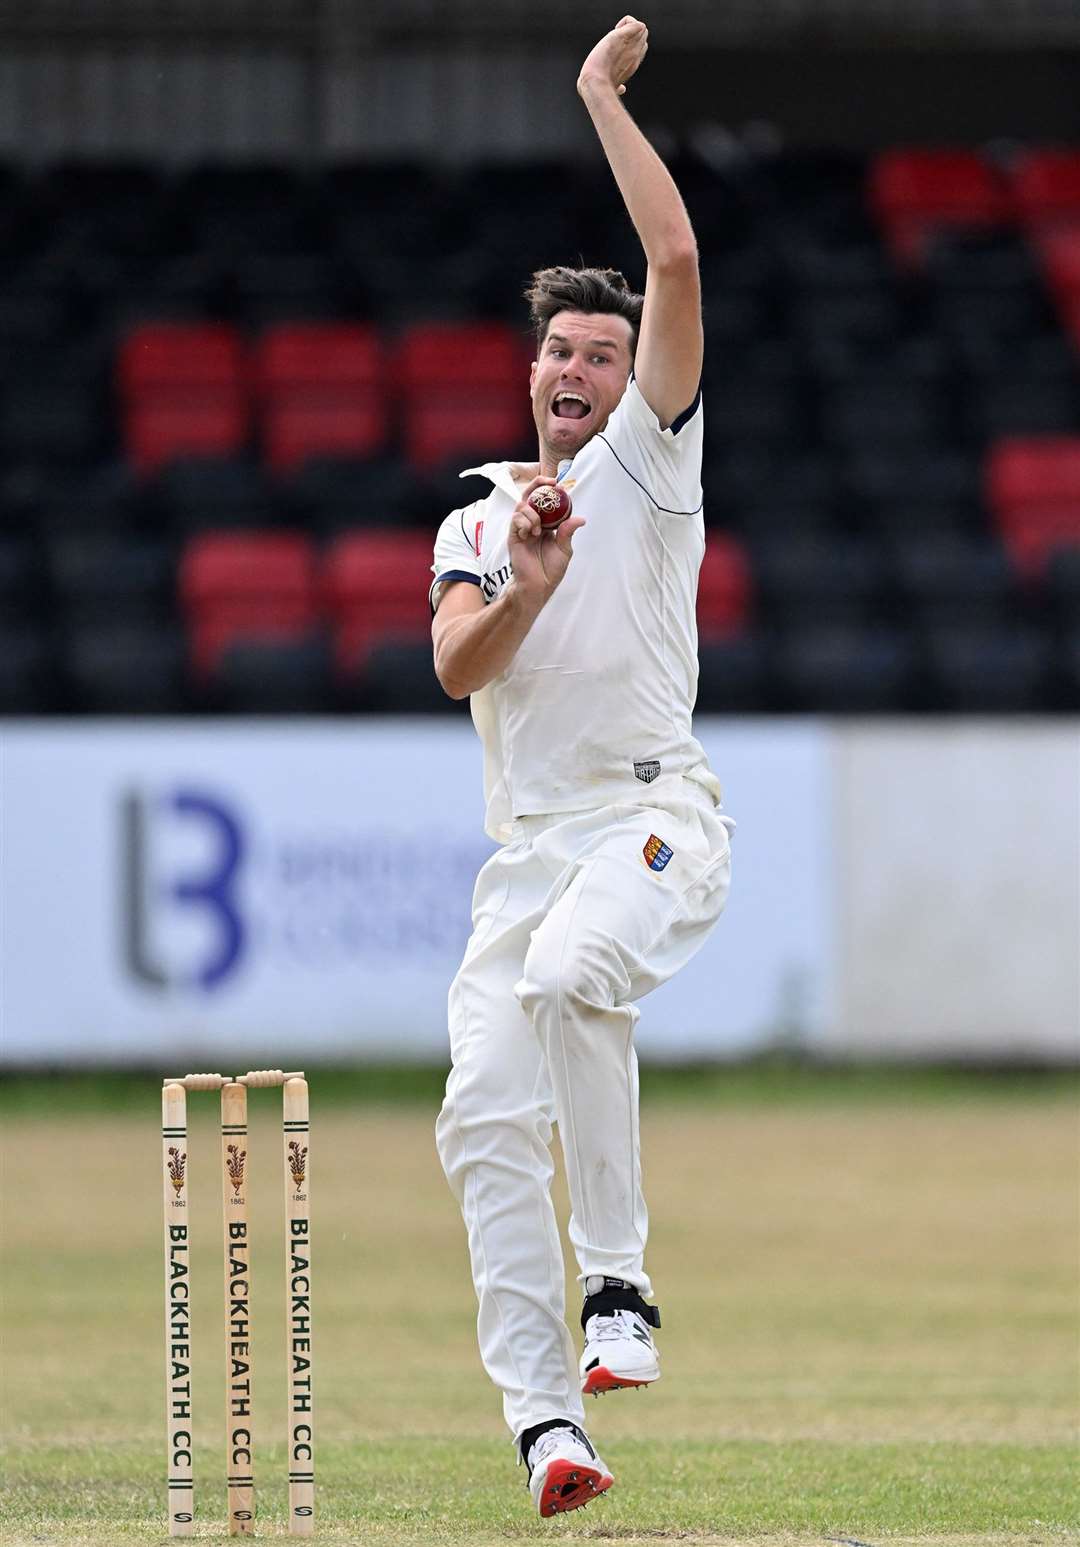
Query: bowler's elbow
(451,685)
(677,256)
(454,690)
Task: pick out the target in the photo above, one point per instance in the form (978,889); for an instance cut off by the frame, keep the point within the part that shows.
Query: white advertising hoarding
(243,891)
(958,895)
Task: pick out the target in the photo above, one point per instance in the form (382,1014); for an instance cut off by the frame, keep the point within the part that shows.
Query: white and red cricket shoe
(619,1347)
(564,1470)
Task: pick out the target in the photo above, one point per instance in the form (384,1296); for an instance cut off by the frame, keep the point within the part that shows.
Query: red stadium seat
(255,585)
(1033,470)
(177,357)
(723,599)
(183,392)
(325,390)
(375,586)
(298,428)
(1033,488)
(1032,539)
(1046,187)
(457,355)
(161,429)
(1060,252)
(464,391)
(321,357)
(916,193)
(465,424)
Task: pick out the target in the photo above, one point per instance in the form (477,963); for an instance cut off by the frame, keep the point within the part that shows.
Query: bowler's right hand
(540,559)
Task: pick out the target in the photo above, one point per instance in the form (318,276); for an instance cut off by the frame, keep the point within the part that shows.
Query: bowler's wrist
(524,605)
(596,88)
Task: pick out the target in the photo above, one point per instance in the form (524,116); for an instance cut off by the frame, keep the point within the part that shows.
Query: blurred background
(261,302)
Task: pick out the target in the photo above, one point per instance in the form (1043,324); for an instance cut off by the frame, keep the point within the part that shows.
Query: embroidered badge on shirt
(656,852)
(478,537)
(647,772)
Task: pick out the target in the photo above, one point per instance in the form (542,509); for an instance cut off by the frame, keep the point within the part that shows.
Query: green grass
(869,1299)
(772,1079)
(433,1490)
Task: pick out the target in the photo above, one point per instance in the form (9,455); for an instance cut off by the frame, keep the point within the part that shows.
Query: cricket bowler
(577,645)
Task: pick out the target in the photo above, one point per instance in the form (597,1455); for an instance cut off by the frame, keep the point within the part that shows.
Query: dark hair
(581,290)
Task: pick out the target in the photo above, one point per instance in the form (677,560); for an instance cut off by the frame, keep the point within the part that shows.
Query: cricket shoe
(564,1470)
(619,1347)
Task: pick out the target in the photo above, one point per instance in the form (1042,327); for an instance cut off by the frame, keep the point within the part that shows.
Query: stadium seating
(193,494)
(375,585)
(840,668)
(1046,187)
(463,390)
(323,389)
(1033,488)
(918,193)
(250,586)
(724,597)
(183,391)
(235,400)
(272,674)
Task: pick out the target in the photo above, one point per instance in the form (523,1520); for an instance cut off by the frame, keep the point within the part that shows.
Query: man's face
(581,374)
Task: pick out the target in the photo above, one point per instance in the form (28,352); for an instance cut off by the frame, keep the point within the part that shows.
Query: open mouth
(570,405)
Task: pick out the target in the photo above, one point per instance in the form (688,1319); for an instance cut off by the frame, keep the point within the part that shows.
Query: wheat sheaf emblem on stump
(235,1165)
(297,1161)
(177,1162)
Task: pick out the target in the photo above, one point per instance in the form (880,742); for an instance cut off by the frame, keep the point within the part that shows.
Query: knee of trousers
(577,980)
(477,1129)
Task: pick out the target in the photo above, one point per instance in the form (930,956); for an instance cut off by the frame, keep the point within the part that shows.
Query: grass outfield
(868,1288)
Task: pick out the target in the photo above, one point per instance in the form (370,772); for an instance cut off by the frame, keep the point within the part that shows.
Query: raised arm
(670,343)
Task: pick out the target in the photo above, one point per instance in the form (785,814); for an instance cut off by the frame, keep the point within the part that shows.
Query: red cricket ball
(552,504)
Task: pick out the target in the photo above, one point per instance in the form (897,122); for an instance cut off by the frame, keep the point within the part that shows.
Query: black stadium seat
(748,476)
(200,493)
(28,679)
(332,494)
(272,676)
(1063,585)
(1016,404)
(949,578)
(400,679)
(1070,672)
(845,668)
(884,413)
(60,423)
(21,579)
(986,669)
(811,578)
(733,676)
(95,578)
(912,475)
(125,667)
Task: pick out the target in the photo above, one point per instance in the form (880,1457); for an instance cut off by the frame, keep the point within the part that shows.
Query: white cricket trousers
(571,925)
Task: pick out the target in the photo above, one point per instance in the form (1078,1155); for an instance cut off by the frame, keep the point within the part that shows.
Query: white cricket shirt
(595,707)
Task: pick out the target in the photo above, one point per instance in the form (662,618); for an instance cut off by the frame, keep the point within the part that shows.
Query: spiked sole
(602,1379)
(568,1486)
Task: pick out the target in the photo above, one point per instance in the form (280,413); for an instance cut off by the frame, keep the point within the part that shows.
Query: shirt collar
(501,474)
